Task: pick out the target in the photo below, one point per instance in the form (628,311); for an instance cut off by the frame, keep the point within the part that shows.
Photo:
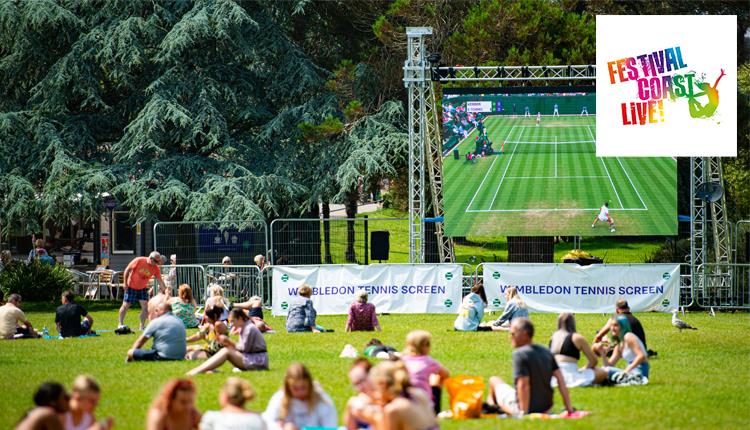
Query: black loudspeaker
(380,245)
(456,155)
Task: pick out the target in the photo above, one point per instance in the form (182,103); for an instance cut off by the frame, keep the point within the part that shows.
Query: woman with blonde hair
(233,415)
(514,308)
(174,407)
(183,306)
(84,399)
(424,371)
(566,345)
(300,403)
(216,299)
(404,408)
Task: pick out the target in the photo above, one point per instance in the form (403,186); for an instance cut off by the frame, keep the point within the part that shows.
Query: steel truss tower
(420,79)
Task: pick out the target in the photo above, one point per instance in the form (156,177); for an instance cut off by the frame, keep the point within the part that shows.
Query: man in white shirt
(604,216)
(10,315)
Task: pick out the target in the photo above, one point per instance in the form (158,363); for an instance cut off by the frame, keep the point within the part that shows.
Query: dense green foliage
(694,381)
(35,282)
(229,109)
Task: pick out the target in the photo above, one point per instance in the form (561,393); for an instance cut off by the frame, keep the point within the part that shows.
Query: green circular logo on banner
(496,302)
(666,276)
(448,303)
(496,275)
(449,276)
(284,277)
(665,302)
(284,305)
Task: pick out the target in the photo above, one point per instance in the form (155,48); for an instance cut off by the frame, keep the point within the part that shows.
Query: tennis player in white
(604,216)
(538,118)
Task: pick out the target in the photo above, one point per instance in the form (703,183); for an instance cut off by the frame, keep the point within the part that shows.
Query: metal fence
(741,248)
(193,275)
(207,242)
(339,241)
(240,282)
(723,286)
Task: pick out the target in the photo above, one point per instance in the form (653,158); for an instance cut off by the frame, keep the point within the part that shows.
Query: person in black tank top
(621,308)
(566,345)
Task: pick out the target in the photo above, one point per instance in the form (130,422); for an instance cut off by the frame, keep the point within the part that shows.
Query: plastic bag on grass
(465,394)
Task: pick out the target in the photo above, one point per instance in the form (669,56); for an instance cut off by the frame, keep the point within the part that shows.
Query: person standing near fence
(137,276)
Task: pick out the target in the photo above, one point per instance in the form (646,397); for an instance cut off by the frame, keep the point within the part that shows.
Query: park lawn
(699,379)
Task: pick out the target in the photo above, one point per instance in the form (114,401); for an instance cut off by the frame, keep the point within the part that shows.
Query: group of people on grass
(405,388)
(627,340)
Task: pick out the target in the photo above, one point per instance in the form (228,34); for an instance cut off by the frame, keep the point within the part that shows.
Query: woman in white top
(83,401)
(300,403)
(630,348)
(233,416)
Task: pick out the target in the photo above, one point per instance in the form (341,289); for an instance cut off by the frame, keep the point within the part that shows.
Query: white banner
(394,288)
(479,106)
(584,289)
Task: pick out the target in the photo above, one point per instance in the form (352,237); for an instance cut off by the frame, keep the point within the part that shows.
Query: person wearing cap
(137,276)
(362,315)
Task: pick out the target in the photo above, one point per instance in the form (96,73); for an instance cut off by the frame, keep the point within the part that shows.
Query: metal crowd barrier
(193,275)
(723,286)
(240,282)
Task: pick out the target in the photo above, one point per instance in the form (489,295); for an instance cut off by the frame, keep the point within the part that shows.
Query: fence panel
(192,274)
(338,240)
(207,242)
(686,288)
(240,282)
(742,241)
(723,286)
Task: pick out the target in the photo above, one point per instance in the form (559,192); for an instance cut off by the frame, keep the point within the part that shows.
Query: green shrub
(35,282)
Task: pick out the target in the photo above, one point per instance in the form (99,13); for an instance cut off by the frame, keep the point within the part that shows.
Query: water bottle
(45,332)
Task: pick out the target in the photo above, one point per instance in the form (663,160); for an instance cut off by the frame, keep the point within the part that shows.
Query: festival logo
(666,86)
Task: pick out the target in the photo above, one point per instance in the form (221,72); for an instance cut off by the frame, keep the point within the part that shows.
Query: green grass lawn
(548,181)
(699,379)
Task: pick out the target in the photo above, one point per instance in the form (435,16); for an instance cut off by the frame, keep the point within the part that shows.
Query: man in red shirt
(137,276)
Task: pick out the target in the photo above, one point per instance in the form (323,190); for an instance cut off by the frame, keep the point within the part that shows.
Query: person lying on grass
(248,354)
(212,329)
(254,308)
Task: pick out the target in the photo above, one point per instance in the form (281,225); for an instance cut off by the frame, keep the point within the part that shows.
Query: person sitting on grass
(424,371)
(216,299)
(184,306)
(68,317)
(301,403)
(233,415)
(249,353)
(211,330)
(514,308)
(471,311)
(567,346)
(375,348)
(533,369)
(174,407)
(302,314)
(83,401)
(10,315)
(169,335)
(403,407)
(162,296)
(362,315)
(51,402)
(361,409)
(601,346)
(630,348)
(254,308)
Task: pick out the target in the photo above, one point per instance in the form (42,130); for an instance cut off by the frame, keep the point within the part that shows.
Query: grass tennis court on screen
(548,181)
